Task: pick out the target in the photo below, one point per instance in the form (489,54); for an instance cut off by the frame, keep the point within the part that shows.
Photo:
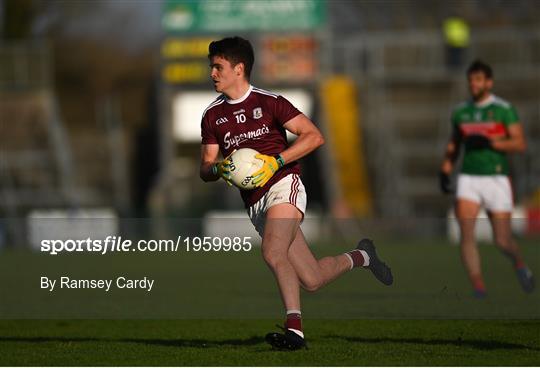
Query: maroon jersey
(255,121)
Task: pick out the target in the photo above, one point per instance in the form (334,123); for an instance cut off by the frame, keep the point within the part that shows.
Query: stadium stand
(408,95)
(394,51)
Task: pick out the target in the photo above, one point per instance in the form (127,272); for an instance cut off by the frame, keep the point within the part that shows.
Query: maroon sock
(516,260)
(519,264)
(478,283)
(357,258)
(294,321)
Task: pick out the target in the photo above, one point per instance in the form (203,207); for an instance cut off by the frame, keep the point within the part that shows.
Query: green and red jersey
(490,118)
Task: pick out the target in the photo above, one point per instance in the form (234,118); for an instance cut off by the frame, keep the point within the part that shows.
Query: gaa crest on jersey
(221,121)
(257,113)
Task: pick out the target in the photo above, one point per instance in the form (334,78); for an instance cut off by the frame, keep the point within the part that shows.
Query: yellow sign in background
(344,127)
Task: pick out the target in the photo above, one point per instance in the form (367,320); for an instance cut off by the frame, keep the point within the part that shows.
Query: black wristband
(280,160)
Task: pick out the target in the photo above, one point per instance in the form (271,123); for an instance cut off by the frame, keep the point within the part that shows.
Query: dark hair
(235,50)
(480,66)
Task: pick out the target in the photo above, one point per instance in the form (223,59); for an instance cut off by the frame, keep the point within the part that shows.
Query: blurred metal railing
(421,54)
(36,166)
(25,65)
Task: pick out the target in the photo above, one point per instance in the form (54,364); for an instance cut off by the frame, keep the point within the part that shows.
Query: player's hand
(445,183)
(269,168)
(223,169)
(477,141)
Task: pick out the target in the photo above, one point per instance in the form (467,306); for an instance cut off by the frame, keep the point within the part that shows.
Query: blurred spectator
(457,36)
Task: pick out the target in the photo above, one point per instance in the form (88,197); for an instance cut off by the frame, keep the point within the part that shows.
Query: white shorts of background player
(493,192)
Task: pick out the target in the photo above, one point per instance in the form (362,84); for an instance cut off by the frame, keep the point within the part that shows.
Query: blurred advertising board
(243,15)
(184,60)
(290,58)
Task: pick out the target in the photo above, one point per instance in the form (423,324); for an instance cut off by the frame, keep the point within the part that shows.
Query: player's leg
(280,229)
(278,221)
(315,273)
(466,213)
(282,223)
(502,234)
(499,202)
(283,207)
(287,254)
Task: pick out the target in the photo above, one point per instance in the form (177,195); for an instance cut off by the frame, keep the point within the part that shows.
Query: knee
(274,258)
(467,237)
(312,285)
(467,243)
(503,242)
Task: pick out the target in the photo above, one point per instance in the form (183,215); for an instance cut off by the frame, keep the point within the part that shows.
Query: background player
(489,128)
(247,117)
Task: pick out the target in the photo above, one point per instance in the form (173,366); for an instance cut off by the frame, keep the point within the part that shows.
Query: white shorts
(494,192)
(287,190)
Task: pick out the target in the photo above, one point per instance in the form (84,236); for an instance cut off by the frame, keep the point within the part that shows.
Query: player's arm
(514,143)
(209,157)
(451,153)
(309,138)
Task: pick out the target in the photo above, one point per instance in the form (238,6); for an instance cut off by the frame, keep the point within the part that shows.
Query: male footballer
(244,116)
(488,127)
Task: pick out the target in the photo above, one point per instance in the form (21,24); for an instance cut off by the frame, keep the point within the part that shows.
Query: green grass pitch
(426,318)
(239,342)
